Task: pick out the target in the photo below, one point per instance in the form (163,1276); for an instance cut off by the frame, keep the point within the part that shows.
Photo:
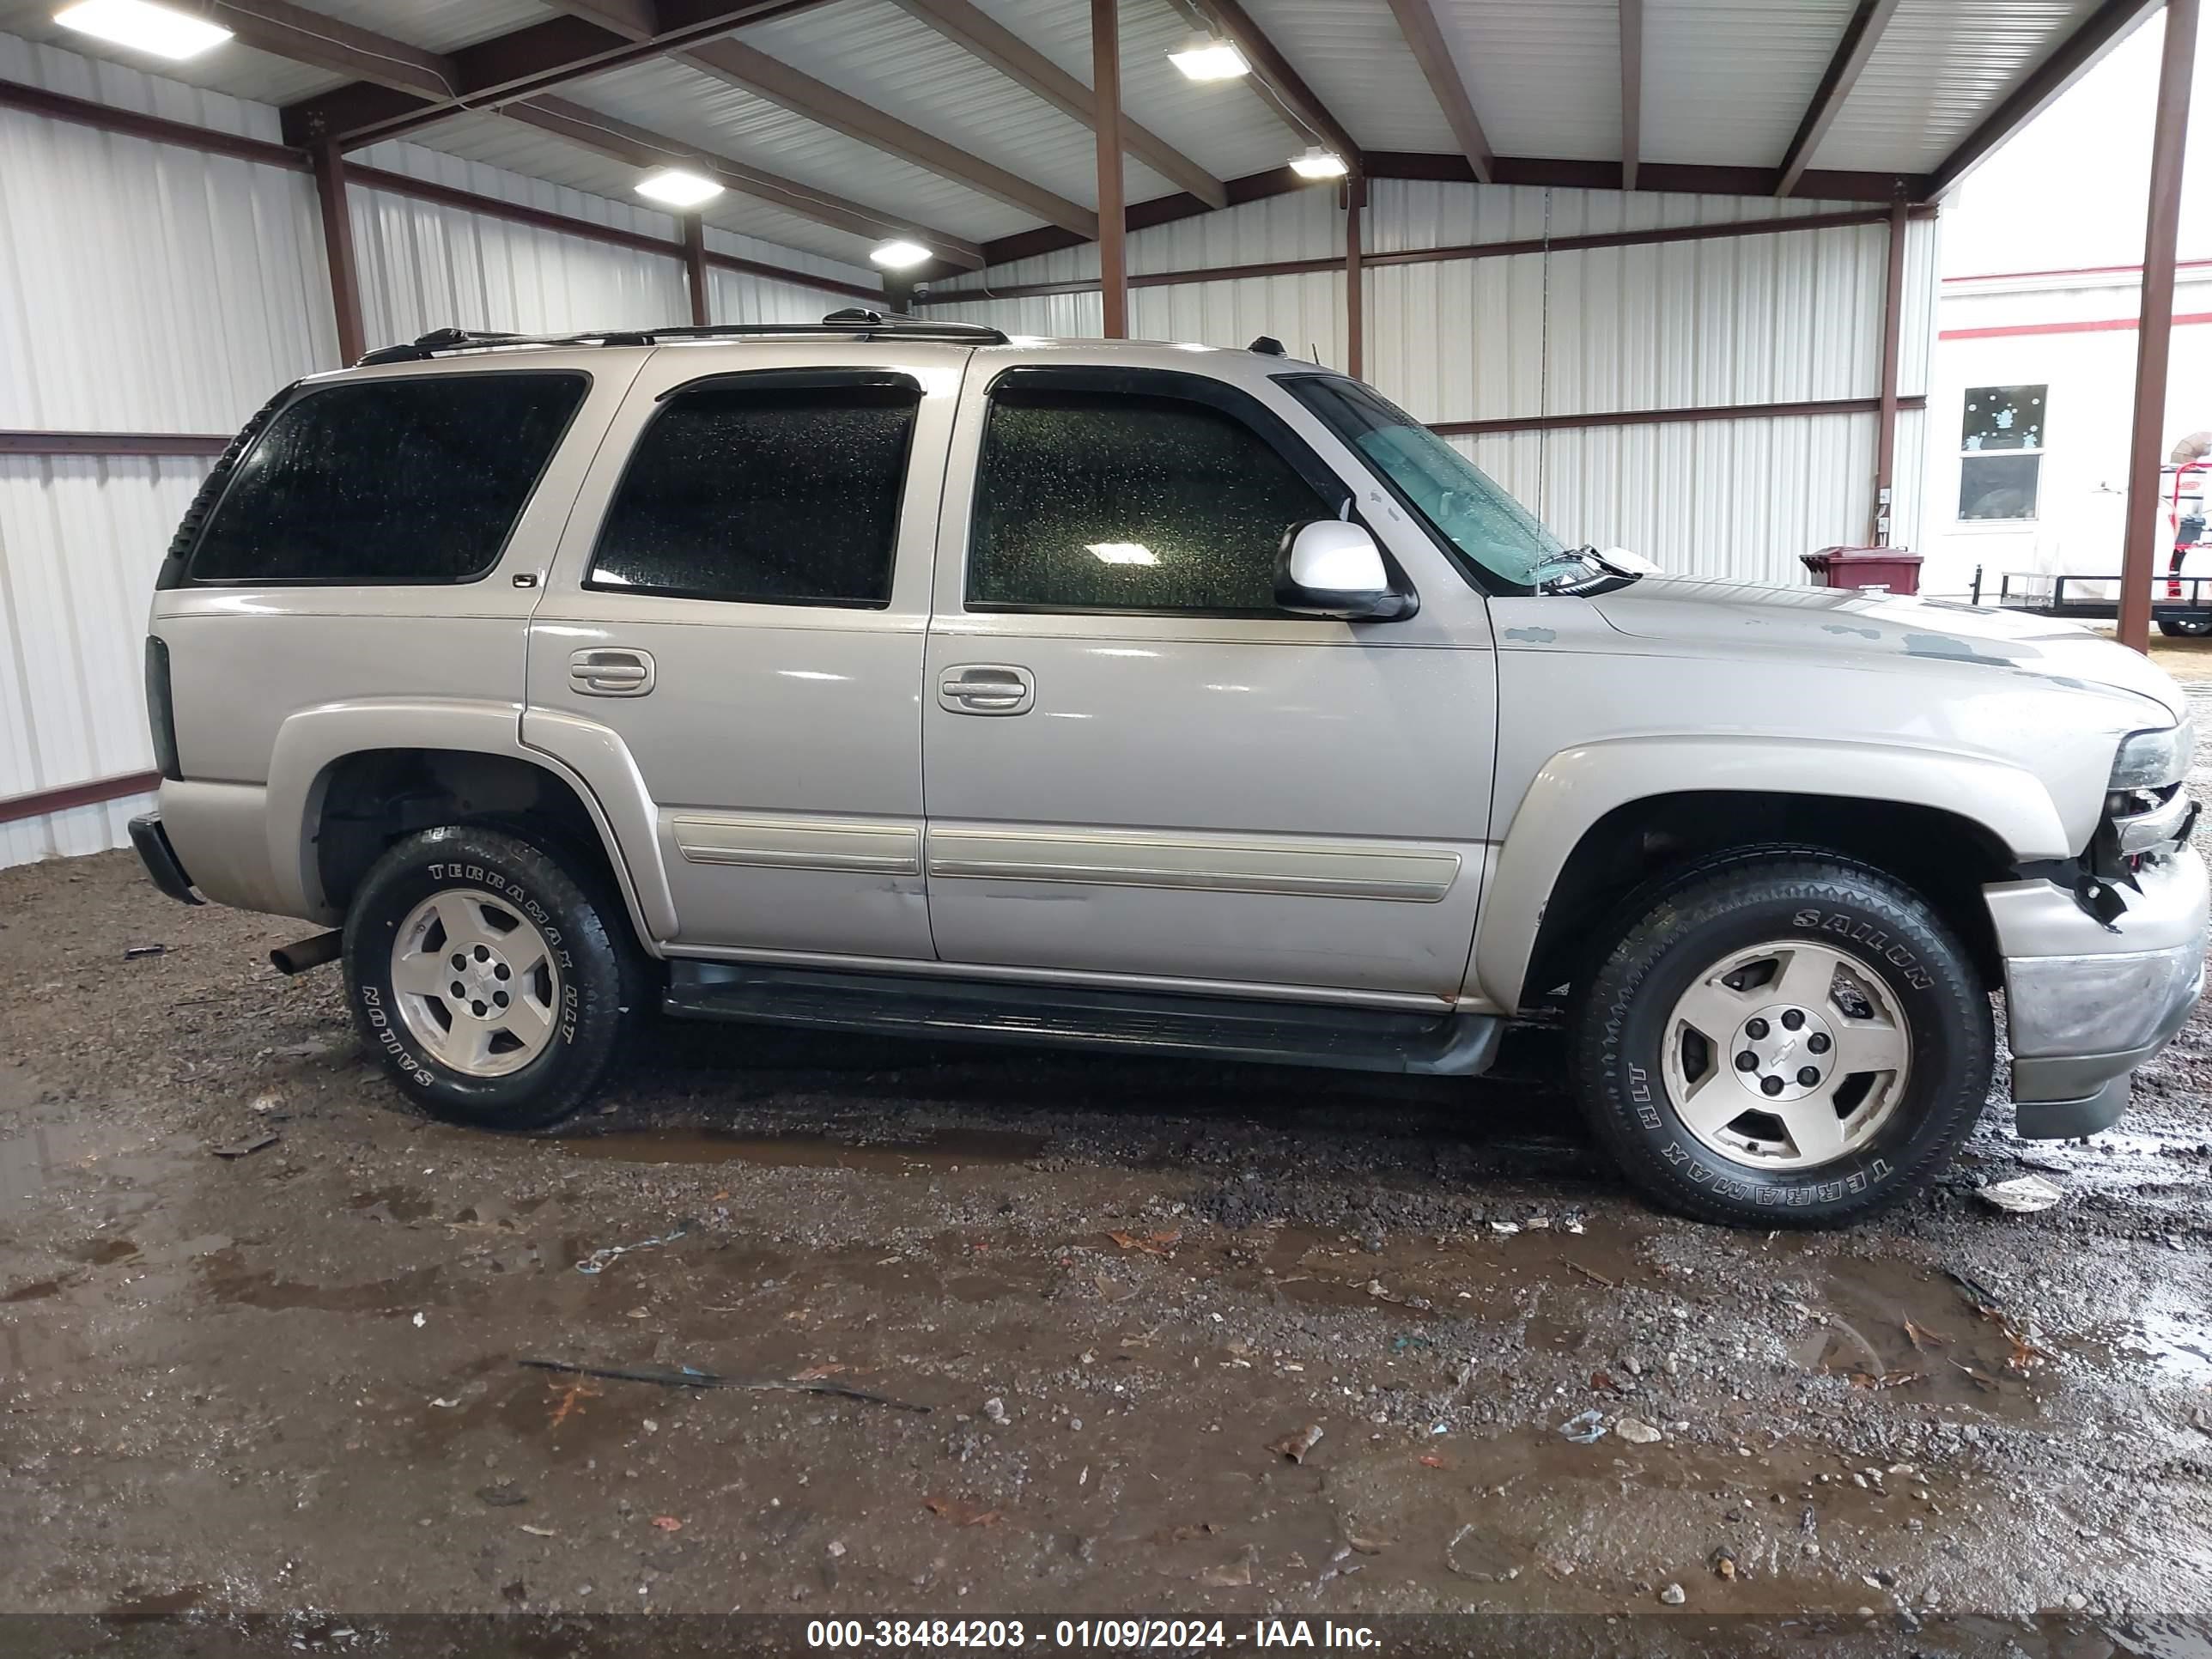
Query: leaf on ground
(1922,1338)
(572,1395)
(1886,1380)
(1151,1243)
(961,1513)
(667,1523)
(1986,1384)
(1238,1572)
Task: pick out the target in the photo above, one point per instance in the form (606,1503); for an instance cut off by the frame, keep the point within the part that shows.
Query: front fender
(311,742)
(1576,786)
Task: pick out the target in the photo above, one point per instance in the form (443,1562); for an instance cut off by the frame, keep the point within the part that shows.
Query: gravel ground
(287,1378)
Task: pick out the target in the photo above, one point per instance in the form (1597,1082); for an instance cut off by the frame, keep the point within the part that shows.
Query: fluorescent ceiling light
(898,254)
(1119,552)
(1204,59)
(677,188)
(1319,163)
(161,30)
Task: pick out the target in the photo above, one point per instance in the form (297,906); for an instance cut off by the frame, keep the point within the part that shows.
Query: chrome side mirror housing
(1328,567)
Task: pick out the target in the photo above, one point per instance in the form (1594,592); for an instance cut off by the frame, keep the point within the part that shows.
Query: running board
(1129,1022)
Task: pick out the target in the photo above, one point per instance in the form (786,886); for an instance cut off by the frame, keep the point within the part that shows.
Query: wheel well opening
(371,799)
(1945,858)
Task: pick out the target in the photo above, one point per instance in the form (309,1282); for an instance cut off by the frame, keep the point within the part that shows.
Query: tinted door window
(1108,501)
(388,480)
(761,489)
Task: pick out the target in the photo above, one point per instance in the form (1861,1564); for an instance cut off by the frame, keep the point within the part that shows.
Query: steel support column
(1355,320)
(2147,448)
(1106,90)
(337,247)
(1893,329)
(694,268)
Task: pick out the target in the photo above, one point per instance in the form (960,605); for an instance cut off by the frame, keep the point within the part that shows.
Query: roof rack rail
(851,322)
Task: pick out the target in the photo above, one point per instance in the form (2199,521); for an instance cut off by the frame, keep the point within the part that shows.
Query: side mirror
(1330,569)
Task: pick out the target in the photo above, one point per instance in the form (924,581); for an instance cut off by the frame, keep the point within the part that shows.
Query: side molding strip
(837,844)
(1306,869)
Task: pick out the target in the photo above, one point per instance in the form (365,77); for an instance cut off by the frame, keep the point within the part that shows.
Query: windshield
(1432,478)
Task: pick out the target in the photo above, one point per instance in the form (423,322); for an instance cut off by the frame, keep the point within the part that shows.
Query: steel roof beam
(983,37)
(1631,90)
(1424,32)
(1861,35)
(633,19)
(284,30)
(639,147)
(521,64)
(754,71)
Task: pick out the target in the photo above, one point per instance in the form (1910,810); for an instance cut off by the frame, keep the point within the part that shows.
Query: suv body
(1145,696)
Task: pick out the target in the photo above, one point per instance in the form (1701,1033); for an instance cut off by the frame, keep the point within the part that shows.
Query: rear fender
(595,765)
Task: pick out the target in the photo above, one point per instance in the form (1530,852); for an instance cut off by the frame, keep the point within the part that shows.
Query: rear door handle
(611,672)
(986,688)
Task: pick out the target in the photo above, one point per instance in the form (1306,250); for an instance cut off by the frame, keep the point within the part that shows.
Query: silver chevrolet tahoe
(887,675)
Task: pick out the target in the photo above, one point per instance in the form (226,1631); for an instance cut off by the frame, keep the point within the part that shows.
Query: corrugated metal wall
(146,288)
(1753,320)
(424,266)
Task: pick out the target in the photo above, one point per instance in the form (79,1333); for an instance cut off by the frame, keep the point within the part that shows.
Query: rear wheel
(2184,627)
(1784,1039)
(492,983)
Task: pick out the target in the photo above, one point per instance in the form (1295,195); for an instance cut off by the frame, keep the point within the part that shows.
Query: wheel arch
(1601,821)
(346,781)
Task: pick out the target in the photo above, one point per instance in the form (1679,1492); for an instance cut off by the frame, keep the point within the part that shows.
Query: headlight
(2152,760)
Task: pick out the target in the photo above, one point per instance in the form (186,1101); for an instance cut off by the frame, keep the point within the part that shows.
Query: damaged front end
(2103,955)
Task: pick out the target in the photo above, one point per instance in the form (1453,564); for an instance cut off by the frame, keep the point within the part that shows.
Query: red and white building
(2031,378)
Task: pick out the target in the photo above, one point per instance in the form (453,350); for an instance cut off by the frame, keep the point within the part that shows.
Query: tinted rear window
(766,489)
(388,480)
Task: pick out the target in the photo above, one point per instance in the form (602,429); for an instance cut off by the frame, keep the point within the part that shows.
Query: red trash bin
(1892,568)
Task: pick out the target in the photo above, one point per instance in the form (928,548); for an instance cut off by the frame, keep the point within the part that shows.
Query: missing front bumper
(2086,1003)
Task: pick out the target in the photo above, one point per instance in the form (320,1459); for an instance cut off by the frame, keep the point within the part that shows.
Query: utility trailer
(2180,605)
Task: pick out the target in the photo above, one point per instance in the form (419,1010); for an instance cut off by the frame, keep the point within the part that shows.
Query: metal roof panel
(1941,67)
(903,67)
(483,137)
(1221,125)
(1352,54)
(1727,81)
(681,102)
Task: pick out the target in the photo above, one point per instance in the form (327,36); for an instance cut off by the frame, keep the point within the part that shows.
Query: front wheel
(1784,1039)
(495,985)
(2184,627)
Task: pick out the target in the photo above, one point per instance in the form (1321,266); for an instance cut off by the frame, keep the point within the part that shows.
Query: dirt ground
(263,1327)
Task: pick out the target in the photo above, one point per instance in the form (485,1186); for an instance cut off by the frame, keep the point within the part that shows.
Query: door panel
(780,743)
(1265,799)
(1274,813)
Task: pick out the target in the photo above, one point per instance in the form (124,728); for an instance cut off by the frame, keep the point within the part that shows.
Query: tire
(2184,627)
(1749,933)
(545,976)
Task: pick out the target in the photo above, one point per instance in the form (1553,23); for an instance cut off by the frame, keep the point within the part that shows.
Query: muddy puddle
(940,1149)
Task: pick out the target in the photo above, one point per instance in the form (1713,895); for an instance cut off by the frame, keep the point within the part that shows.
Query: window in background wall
(2001,452)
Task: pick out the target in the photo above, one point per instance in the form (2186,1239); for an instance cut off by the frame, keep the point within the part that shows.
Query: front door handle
(986,688)
(611,672)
